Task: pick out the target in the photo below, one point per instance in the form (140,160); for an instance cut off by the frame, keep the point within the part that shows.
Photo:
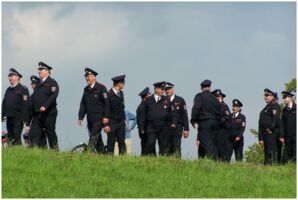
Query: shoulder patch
(274,112)
(53,89)
(25,97)
(105,95)
(243,124)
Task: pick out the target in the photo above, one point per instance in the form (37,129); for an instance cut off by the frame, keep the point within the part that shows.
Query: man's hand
(4,119)
(237,139)
(261,142)
(269,131)
(185,134)
(173,126)
(80,122)
(42,109)
(195,126)
(27,129)
(107,129)
(142,131)
(282,140)
(105,120)
(198,142)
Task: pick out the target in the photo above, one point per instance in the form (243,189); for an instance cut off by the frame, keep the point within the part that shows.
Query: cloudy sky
(242,47)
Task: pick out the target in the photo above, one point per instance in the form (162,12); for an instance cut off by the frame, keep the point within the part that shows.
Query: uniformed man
(157,118)
(44,108)
(94,103)
(237,130)
(205,116)
(144,94)
(43,138)
(15,107)
(278,142)
(268,127)
(182,126)
(288,127)
(116,126)
(222,137)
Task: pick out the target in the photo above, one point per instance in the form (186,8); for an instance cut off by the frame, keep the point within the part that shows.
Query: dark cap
(120,78)
(206,83)
(42,65)
(89,71)
(268,92)
(286,94)
(168,85)
(218,92)
(236,102)
(34,79)
(144,92)
(160,84)
(12,71)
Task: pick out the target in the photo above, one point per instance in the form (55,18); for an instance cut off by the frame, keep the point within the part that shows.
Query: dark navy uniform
(222,137)
(117,119)
(157,117)
(43,137)
(143,136)
(15,107)
(288,130)
(44,95)
(206,113)
(95,104)
(180,111)
(268,129)
(237,130)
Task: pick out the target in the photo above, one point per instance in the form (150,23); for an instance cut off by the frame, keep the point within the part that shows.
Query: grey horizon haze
(243,47)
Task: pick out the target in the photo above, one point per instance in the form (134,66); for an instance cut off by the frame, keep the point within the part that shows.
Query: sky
(242,47)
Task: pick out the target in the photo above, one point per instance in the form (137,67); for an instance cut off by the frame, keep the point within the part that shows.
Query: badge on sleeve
(184,107)
(243,124)
(25,97)
(105,95)
(53,89)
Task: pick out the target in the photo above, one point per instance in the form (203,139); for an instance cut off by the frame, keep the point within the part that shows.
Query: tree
(255,153)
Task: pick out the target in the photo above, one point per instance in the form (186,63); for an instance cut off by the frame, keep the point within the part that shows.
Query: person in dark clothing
(182,126)
(222,137)
(94,103)
(288,127)
(15,107)
(44,108)
(116,126)
(43,138)
(268,127)
(144,94)
(157,118)
(279,144)
(206,116)
(237,131)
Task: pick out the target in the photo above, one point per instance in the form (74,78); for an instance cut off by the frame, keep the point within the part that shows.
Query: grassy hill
(31,173)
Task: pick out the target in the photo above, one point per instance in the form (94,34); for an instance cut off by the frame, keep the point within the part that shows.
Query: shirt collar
(290,105)
(13,86)
(236,114)
(115,91)
(43,80)
(92,86)
(172,97)
(156,97)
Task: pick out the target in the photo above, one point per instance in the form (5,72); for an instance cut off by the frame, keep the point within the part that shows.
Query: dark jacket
(269,120)
(180,112)
(238,125)
(288,122)
(94,102)
(16,103)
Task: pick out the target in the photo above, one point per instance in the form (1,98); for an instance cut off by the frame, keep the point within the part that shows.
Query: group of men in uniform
(161,116)
(37,112)
(275,130)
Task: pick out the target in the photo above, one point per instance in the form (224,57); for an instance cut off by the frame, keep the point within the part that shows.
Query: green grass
(31,173)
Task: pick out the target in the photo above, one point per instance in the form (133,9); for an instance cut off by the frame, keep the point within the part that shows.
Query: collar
(92,86)
(172,97)
(156,97)
(236,114)
(290,105)
(13,86)
(115,91)
(43,80)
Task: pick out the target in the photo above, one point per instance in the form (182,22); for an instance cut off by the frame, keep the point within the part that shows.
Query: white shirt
(156,97)
(235,114)
(115,91)
(290,105)
(92,85)
(172,97)
(44,79)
